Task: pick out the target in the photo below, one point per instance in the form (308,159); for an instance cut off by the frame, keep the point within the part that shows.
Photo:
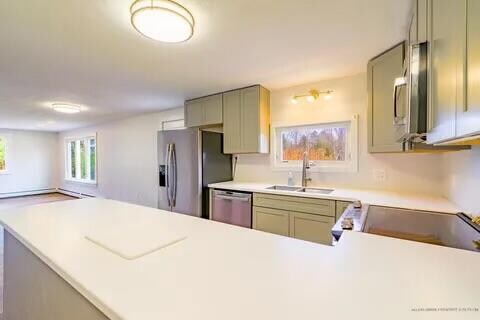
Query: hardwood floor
(16,202)
(30,200)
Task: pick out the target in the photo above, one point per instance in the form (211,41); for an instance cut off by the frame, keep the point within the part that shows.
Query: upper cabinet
(468,118)
(418,24)
(383,130)
(204,111)
(246,118)
(454,61)
(446,61)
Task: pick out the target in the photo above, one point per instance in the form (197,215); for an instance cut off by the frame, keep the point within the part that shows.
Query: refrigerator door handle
(174,174)
(167,175)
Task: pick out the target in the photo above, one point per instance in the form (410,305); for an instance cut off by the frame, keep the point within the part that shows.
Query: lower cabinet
(311,227)
(271,220)
(340,208)
(297,217)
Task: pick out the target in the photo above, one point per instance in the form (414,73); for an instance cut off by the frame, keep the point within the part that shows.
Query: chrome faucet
(305,166)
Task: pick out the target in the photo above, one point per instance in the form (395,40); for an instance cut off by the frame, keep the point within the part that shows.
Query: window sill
(92,183)
(313,169)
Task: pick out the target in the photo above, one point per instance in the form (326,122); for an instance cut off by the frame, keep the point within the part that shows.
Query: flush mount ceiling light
(313,95)
(65,108)
(162,20)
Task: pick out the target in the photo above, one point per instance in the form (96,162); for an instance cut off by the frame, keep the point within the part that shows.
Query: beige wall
(126,160)
(462,174)
(405,172)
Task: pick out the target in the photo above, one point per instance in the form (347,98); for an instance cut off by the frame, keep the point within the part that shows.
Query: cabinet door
(468,118)
(421,13)
(193,113)
(413,29)
(322,207)
(250,121)
(232,107)
(341,206)
(311,227)
(382,72)
(213,109)
(270,220)
(446,22)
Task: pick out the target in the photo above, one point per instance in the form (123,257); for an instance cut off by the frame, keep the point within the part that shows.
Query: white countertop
(373,197)
(226,272)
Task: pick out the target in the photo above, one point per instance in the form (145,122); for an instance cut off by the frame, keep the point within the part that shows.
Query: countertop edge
(261,189)
(63,274)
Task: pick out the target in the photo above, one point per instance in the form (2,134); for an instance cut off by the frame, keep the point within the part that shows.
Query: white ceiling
(87,53)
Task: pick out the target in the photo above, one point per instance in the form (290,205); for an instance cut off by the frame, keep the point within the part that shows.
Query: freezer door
(178,151)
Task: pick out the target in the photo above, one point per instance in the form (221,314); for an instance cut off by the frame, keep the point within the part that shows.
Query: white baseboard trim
(26,193)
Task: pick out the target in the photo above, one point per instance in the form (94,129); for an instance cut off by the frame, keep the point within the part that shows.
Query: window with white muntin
(330,146)
(81,159)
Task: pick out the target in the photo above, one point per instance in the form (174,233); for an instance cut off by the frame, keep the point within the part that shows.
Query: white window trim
(77,169)
(350,165)
(7,155)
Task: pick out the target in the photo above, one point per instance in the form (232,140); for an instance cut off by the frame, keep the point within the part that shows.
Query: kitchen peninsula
(220,271)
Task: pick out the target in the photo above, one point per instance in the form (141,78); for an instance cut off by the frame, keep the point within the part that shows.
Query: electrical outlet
(380,174)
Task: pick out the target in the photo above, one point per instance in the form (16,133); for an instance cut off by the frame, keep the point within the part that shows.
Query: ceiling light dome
(65,108)
(162,20)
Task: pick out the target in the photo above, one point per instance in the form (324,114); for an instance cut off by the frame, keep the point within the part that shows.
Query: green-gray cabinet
(271,220)
(309,219)
(382,71)
(468,118)
(418,24)
(311,227)
(340,208)
(446,67)
(454,57)
(246,118)
(204,111)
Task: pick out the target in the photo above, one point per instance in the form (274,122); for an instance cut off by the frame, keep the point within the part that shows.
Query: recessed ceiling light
(65,108)
(162,20)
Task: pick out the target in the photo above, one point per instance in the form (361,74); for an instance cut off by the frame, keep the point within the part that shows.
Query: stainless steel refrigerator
(188,160)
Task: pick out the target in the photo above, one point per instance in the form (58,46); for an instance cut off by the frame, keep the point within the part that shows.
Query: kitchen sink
(284,188)
(315,190)
(300,189)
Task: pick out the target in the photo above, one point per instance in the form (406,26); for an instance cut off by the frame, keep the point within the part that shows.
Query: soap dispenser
(290,179)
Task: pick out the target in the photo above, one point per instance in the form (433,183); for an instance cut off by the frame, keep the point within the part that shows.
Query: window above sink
(331,146)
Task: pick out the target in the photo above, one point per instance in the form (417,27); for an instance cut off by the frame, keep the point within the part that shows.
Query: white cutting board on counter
(133,241)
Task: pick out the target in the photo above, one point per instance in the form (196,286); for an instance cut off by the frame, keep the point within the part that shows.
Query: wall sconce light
(313,95)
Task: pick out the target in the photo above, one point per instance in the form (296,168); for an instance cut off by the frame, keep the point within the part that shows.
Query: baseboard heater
(26,193)
(74,193)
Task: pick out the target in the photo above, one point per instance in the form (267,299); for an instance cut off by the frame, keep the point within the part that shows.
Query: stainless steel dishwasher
(232,207)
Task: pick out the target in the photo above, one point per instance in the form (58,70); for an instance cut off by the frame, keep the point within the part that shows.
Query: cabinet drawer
(300,204)
(311,227)
(270,220)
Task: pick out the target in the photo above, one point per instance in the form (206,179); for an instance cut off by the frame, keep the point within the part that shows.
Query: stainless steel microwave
(413,121)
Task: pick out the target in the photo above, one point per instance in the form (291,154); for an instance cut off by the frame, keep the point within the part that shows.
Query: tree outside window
(3,154)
